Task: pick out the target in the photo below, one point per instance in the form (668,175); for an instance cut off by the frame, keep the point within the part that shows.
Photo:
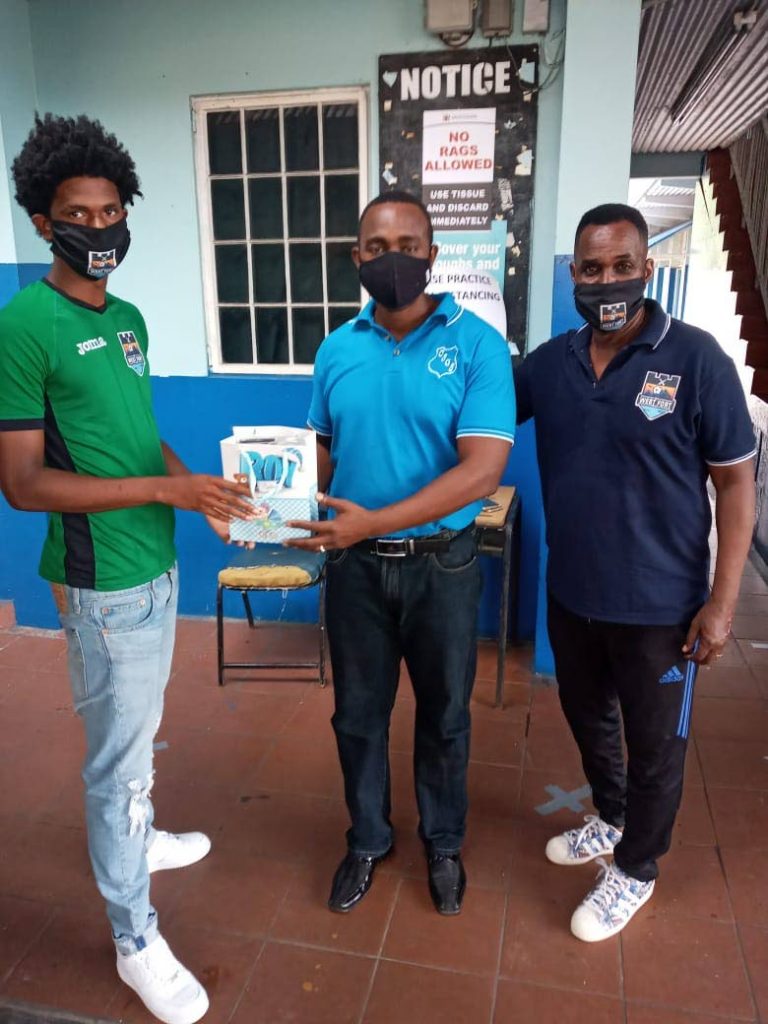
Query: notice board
(458,129)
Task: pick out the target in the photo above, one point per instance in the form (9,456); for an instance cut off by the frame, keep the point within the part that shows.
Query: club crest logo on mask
(101,263)
(134,357)
(613,316)
(658,396)
(445,361)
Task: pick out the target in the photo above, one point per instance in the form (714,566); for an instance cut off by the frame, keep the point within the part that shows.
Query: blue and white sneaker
(579,845)
(611,905)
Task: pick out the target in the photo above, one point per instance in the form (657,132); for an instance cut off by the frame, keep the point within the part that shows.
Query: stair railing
(749,158)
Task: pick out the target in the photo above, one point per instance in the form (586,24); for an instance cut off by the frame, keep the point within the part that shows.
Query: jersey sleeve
(726,434)
(488,409)
(25,368)
(319,418)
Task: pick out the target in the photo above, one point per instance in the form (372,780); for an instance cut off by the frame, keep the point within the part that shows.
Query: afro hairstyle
(59,148)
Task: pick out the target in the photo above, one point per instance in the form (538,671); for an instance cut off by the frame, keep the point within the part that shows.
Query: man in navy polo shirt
(634,413)
(414,406)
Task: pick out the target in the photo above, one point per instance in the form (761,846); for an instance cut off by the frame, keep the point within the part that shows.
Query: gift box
(280,466)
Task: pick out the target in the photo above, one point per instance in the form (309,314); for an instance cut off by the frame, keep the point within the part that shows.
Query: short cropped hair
(59,148)
(398,196)
(613,213)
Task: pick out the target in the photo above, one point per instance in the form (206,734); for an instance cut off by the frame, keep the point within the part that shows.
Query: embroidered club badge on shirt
(445,361)
(134,357)
(658,396)
(101,263)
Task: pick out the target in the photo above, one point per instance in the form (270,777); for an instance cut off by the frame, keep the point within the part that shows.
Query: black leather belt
(399,547)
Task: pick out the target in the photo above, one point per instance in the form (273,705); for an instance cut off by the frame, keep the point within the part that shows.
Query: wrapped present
(280,467)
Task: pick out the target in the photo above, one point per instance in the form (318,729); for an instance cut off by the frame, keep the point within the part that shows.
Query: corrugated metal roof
(673,36)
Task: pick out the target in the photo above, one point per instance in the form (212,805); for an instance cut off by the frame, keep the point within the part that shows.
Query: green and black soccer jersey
(81,375)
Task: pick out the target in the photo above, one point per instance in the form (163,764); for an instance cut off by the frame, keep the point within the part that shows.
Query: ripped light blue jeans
(120,646)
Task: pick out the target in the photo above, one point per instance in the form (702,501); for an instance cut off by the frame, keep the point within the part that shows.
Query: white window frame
(201,106)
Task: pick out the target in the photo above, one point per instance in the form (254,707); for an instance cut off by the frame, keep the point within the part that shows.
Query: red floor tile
(493,790)
(736,683)
(498,740)
(693,826)
(685,963)
(739,764)
(747,877)
(71,964)
(691,884)
(41,650)
(468,943)
(755,945)
(21,922)
(230,891)
(295,985)
(723,718)
(664,1015)
(740,817)
(403,992)
(304,917)
(517,1003)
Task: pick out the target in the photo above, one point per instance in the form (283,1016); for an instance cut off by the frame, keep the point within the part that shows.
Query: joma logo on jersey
(91,345)
(445,361)
(134,357)
(658,396)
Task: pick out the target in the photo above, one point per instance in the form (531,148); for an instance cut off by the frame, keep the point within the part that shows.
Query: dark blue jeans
(421,608)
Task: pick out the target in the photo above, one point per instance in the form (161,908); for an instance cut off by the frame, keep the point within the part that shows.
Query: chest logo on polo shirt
(445,361)
(134,357)
(658,396)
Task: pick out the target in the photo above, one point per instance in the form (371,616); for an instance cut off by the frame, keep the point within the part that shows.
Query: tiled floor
(254,765)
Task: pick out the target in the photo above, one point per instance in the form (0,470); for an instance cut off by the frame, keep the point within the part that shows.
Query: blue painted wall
(193,414)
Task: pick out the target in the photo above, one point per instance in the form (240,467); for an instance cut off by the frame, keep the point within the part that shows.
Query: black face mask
(394,280)
(609,307)
(90,252)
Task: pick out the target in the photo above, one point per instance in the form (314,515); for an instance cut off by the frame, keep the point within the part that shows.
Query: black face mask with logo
(609,307)
(91,252)
(395,280)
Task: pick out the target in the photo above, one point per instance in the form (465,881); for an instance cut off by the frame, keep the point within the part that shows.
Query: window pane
(236,345)
(308,332)
(304,207)
(340,136)
(232,273)
(262,141)
(342,198)
(306,273)
(343,282)
(224,150)
(268,273)
(272,335)
(338,315)
(300,125)
(228,209)
(266,198)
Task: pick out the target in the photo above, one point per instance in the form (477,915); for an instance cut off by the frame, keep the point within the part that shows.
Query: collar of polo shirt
(447,309)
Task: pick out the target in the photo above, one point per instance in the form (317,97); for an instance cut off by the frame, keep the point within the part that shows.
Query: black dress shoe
(447,882)
(352,881)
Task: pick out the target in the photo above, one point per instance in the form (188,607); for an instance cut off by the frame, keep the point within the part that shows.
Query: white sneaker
(611,905)
(169,850)
(580,845)
(165,986)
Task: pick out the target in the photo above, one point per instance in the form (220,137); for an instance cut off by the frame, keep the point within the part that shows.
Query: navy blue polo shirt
(395,409)
(623,464)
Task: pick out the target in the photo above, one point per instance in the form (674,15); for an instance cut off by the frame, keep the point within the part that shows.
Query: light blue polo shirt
(394,410)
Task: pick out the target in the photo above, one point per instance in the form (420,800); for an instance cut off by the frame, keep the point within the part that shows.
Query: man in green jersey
(78,440)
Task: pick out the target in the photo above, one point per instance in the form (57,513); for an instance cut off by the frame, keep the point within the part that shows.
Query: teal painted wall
(137,69)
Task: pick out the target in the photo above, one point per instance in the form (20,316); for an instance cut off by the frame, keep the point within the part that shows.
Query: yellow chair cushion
(265,576)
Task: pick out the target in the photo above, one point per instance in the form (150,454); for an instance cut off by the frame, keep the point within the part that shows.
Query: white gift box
(280,465)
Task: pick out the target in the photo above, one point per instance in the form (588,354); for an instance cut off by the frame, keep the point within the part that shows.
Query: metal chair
(263,569)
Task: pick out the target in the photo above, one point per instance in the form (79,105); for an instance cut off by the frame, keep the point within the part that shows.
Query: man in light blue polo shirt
(414,407)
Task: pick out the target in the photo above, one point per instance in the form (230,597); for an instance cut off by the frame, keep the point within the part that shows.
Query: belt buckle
(397,547)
